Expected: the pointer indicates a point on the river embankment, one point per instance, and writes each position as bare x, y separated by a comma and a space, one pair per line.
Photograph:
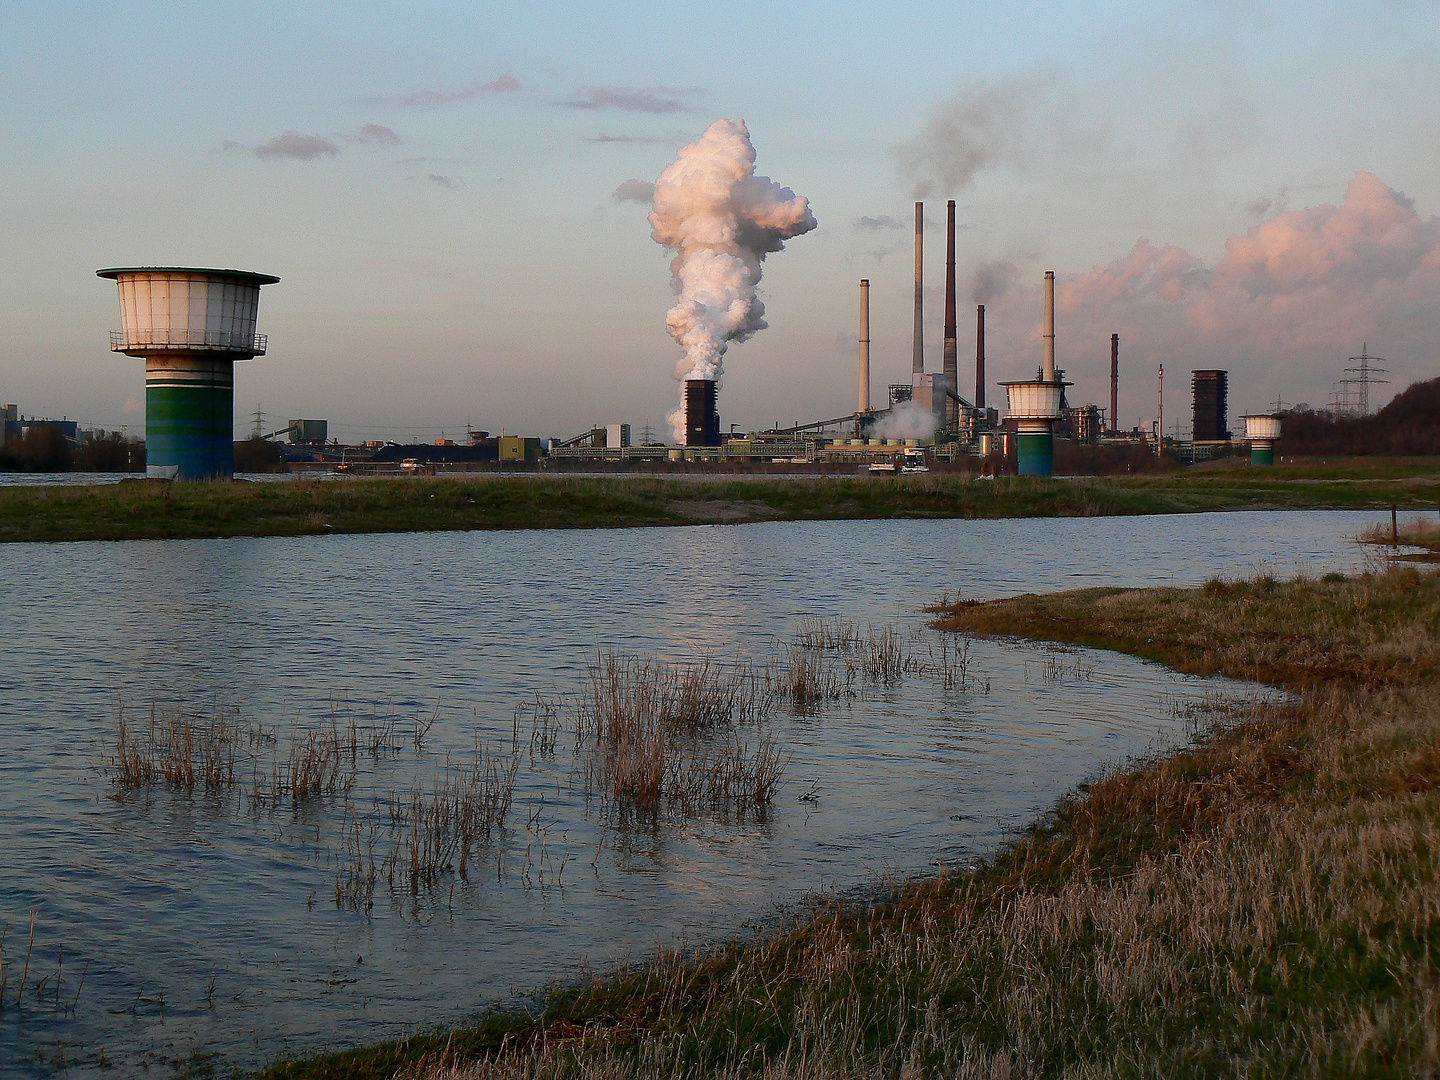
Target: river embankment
159, 510
1261, 903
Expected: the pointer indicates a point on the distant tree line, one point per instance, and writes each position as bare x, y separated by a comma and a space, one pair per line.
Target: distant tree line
1114, 459
258, 455
46, 449
1409, 425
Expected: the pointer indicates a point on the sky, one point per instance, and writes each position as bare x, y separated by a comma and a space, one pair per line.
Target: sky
445, 191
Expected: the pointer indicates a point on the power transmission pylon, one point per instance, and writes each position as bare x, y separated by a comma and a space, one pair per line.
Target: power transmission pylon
1358, 379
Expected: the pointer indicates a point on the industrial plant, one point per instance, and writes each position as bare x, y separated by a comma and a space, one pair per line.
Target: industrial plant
192, 326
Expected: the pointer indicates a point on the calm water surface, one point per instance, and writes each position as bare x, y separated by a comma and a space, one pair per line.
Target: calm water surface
203, 927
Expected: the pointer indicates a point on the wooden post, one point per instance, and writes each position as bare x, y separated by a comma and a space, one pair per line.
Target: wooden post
1394, 528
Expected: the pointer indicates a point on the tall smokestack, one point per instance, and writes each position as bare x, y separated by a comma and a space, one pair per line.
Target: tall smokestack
980, 356
950, 360
864, 345
917, 361
1115, 382
1160, 420
1049, 325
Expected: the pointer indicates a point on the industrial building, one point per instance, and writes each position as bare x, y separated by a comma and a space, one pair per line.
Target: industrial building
1210, 390
1036, 404
14, 426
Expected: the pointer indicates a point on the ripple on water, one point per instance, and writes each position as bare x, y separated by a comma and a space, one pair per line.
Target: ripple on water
161, 894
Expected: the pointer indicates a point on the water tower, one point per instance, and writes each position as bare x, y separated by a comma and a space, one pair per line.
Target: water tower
1037, 403
191, 326
1262, 430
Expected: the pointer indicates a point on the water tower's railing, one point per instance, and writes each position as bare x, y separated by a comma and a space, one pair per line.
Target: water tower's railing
168, 338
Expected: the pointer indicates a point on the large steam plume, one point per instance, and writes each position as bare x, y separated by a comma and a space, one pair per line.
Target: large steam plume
721, 220
905, 420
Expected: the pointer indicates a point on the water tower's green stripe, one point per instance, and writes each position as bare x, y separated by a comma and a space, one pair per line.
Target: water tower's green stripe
1262, 456
1035, 454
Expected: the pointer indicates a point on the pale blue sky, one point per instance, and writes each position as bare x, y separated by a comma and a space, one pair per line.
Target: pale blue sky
479, 269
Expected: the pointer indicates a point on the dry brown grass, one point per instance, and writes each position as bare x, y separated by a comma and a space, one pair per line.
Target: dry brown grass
658, 733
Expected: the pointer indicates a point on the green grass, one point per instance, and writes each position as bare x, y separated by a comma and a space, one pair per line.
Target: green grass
1261, 905
157, 510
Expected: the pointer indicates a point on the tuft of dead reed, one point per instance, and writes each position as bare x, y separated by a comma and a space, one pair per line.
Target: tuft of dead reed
431, 832
875, 657
182, 748
656, 732
176, 746
442, 826
805, 680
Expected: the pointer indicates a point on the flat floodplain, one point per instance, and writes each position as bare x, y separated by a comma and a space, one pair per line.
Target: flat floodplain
140, 510
216, 922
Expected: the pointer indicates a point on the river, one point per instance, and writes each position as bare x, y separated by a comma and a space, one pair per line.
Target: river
203, 925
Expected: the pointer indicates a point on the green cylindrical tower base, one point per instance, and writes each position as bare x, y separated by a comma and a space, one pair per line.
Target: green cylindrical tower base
1035, 453
1262, 453
190, 416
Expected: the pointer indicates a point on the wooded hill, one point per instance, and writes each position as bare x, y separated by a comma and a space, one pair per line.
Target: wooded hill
1409, 425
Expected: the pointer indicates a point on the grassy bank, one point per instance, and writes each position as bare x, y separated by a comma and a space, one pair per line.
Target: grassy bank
156, 510
1262, 905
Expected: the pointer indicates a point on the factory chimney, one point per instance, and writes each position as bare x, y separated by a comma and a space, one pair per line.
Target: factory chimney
1049, 326
980, 356
1115, 382
950, 360
864, 345
917, 362
1160, 420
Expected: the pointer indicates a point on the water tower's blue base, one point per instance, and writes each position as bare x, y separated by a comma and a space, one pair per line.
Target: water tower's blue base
1035, 454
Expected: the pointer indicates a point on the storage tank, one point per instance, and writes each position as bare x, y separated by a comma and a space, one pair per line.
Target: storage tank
190, 325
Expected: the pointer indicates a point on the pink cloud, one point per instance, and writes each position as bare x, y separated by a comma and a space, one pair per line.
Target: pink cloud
1147, 272
1290, 299
1373, 235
